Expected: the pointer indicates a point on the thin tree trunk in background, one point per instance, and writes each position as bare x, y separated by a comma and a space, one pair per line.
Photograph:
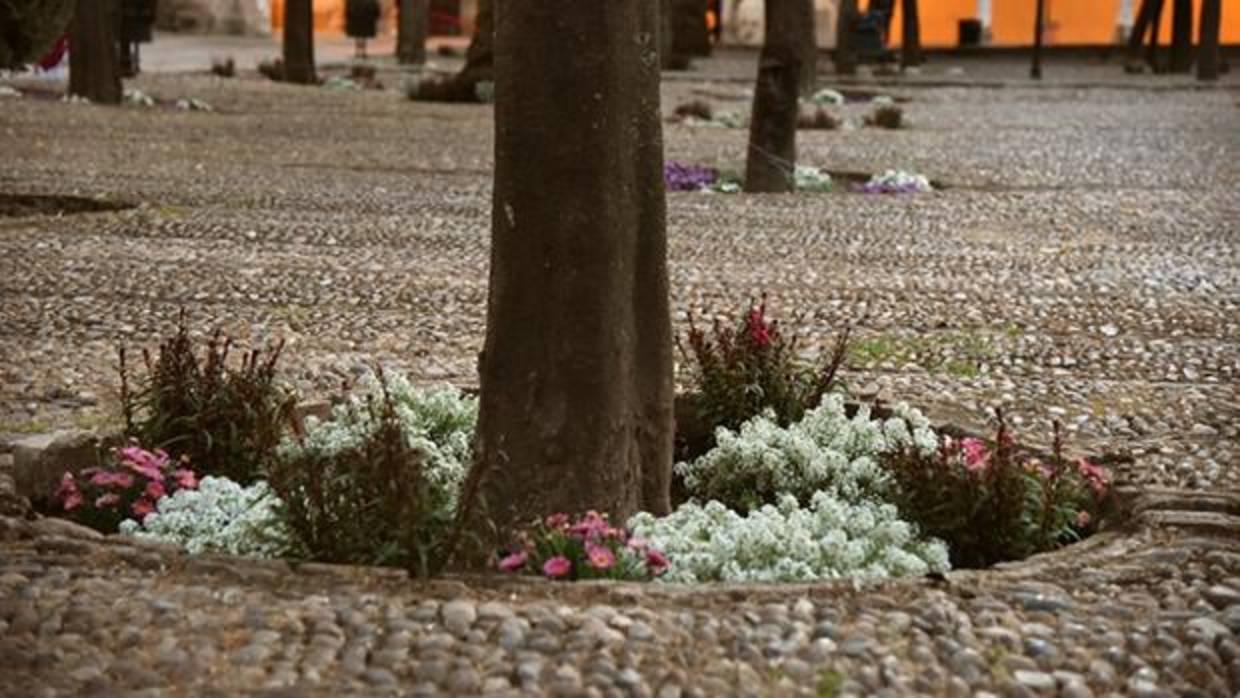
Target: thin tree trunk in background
1151, 49
690, 35
772, 155
1039, 23
845, 56
411, 31
480, 56
1136, 37
1207, 43
94, 61
910, 41
576, 370
1181, 37
808, 41
299, 42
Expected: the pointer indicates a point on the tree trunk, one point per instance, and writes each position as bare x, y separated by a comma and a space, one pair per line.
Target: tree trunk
94, 61
845, 55
910, 40
1151, 50
414, 18
1181, 36
480, 56
667, 35
1207, 43
1136, 38
299, 42
772, 155
690, 35
576, 369
808, 42
1039, 23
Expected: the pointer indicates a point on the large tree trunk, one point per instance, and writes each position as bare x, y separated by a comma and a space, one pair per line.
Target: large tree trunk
412, 30
94, 62
667, 34
772, 154
576, 370
299, 42
1207, 43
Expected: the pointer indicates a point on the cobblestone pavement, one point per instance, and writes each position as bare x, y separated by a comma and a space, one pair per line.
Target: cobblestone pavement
1081, 265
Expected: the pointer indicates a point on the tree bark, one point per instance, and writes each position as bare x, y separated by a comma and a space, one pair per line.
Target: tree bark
1151, 49
1039, 23
845, 55
667, 34
1136, 38
299, 42
910, 39
1181, 36
1207, 43
690, 35
411, 31
808, 41
479, 63
576, 369
772, 155
94, 61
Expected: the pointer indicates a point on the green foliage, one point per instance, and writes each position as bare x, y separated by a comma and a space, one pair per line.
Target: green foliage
226, 420
28, 28
830, 683
378, 483
751, 366
992, 503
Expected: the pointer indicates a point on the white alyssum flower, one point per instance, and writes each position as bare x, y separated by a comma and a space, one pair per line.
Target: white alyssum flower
901, 181
809, 178
138, 98
220, 516
830, 538
828, 96
826, 450
438, 423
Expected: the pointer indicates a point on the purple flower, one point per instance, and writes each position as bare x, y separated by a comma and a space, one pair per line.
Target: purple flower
679, 176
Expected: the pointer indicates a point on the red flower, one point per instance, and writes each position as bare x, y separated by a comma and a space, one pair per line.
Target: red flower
142, 507
759, 330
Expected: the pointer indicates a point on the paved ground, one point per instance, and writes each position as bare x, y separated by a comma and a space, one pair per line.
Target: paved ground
1082, 264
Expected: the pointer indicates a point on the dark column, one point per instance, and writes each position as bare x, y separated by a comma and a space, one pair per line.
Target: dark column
1207, 44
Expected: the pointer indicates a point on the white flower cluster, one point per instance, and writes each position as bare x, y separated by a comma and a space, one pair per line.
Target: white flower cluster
809, 178
438, 423
220, 516
900, 181
9, 92
193, 104
828, 96
138, 98
787, 543
826, 450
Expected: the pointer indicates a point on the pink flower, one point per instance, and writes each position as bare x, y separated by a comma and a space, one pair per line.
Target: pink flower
154, 491
107, 501
185, 479
556, 521
147, 464
600, 557
557, 567
68, 494
142, 507
657, 562
590, 527
1083, 518
759, 331
105, 478
1095, 476
976, 455
513, 562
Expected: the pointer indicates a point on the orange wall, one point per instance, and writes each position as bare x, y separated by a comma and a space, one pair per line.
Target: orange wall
1068, 21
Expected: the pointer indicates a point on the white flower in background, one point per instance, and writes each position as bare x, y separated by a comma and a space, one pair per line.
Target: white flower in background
7, 92
192, 104
220, 516
809, 178
897, 182
828, 96
138, 98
